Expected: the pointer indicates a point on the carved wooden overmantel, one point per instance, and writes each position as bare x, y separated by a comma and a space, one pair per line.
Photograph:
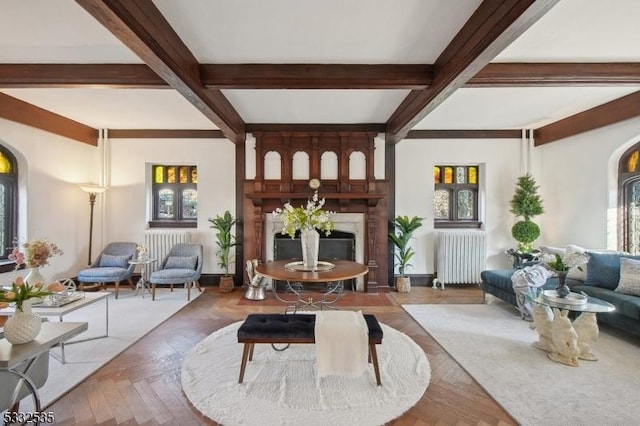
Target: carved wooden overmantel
342, 194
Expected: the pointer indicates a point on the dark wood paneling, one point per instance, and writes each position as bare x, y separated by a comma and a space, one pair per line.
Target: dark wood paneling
23, 112
492, 27
164, 134
594, 118
367, 196
464, 134
143, 29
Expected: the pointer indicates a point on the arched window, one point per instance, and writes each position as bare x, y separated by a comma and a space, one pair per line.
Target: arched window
175, 196
629, 190
8, 201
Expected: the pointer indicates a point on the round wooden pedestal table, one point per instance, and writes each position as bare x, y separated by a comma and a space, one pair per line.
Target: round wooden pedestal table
332, 273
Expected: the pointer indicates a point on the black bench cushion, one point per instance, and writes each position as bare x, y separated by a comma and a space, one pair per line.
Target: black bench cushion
283, 327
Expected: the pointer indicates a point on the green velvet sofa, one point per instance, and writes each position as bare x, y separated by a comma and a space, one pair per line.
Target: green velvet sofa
600, 279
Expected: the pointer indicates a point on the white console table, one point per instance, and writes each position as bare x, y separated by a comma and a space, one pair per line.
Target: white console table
12, 356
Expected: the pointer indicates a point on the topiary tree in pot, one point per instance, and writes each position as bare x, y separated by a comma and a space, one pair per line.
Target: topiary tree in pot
526, 203
225, 242
404, 227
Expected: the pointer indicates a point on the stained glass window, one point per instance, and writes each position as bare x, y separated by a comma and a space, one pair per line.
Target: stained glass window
165, 204
473, 175
441, 204
634, 219
171, 174
158, 174
190, 204
175, 198
455, 196
632, 162
448, 175
465, 204
8, 201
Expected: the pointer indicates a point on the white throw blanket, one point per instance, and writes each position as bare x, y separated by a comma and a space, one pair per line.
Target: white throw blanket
342, 343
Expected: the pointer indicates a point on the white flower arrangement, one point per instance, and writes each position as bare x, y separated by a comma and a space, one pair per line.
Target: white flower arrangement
310, 217
558, 263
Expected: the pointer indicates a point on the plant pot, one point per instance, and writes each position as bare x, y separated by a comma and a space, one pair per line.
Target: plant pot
226, 283
403, 284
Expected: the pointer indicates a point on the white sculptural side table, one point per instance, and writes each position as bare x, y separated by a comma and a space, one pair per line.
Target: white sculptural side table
566, 341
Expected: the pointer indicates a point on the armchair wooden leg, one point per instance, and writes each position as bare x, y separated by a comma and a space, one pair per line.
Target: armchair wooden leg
153, 291
117, 287
131, 284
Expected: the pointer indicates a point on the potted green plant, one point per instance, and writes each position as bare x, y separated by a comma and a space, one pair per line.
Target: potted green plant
526, 203
225, 242
404, 227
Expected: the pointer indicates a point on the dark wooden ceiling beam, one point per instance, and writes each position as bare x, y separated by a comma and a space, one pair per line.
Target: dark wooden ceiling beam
115, 76
318, 76
493, 26
143, 29
557, 74
25, 113
603, 115
465, 134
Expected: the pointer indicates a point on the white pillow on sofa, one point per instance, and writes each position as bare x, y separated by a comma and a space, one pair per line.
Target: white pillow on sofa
629, 277
575, 273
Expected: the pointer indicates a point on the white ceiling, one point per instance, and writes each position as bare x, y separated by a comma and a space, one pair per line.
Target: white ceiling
319, 31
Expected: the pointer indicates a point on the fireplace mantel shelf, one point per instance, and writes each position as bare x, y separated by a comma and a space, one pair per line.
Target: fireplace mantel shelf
256, 197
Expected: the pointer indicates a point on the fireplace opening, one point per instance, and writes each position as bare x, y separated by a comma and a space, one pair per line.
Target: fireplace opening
338, 245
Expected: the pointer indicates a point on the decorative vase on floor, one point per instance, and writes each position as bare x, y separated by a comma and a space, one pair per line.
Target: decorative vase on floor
562, 290
23, 326
34, 276
310, 240
403, 284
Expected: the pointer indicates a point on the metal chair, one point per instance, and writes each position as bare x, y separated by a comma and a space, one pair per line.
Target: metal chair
112, 265
183, 265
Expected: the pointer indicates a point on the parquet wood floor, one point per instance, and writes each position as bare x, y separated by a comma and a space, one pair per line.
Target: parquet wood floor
142, 385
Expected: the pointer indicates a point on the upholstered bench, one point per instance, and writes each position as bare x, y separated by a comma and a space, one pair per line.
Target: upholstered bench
294, 328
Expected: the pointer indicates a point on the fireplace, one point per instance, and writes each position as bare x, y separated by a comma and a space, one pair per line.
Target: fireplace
346, 241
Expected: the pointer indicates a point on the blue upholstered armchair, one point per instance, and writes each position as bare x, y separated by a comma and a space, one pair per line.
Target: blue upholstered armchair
111, 266
183, 265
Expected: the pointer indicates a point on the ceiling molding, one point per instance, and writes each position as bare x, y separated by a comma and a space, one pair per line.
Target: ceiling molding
24, 113
465, 134
164, 134
492, 27
612, 112
143, 29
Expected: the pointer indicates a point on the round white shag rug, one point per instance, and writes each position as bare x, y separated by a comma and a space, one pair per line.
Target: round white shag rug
283, 388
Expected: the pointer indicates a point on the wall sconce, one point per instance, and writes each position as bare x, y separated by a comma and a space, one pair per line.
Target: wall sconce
93, 190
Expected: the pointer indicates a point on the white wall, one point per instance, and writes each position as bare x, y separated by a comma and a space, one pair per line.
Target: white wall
500, 167
52, 206
127, 211
579, 185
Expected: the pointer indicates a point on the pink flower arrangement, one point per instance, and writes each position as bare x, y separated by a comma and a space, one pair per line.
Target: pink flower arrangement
21, 291
36, 253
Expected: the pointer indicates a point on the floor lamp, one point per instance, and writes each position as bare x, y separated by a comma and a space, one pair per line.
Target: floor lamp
93, 190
